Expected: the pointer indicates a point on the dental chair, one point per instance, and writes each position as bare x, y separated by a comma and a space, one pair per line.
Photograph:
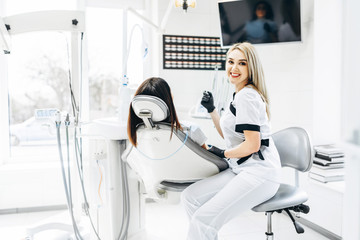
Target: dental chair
167, 165
295, 150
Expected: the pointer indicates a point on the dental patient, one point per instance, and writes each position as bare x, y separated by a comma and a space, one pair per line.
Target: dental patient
158, 87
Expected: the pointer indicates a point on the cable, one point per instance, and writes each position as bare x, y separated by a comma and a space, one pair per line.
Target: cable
124, 165
80, 98
67, 123
76, 113
128, 48
170, 155
76, 230
82, 184
100, 183
126, 201
124, 215
124, 211
75, 108
143, 42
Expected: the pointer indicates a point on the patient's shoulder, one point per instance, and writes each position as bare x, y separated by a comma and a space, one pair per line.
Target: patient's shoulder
194, 131
189, 125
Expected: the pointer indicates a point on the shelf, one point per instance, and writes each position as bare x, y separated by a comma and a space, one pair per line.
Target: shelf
335, 186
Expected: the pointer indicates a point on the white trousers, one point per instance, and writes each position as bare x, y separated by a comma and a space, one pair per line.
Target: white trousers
212, 202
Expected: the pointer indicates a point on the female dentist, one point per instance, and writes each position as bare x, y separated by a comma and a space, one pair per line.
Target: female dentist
254, 173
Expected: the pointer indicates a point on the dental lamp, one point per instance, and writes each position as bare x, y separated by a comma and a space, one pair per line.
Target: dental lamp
5, 43
185, 4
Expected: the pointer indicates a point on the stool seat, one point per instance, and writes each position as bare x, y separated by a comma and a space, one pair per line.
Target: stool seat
286, 196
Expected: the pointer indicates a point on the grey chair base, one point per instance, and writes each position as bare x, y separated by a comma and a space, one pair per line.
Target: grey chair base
298, 208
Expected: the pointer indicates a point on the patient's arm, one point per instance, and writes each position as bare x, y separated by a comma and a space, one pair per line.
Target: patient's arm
195, 133
204, 146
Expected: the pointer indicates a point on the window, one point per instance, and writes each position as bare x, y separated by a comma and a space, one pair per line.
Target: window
38, 78
105, 42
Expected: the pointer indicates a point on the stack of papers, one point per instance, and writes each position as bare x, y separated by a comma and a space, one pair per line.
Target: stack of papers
328, 164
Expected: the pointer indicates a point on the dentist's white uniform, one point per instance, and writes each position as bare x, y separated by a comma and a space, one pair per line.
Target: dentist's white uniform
212, 202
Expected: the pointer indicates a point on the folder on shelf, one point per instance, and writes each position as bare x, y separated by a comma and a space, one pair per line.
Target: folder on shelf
329, 166
328, 172
330, 157
328, 149
324, 162
326, 179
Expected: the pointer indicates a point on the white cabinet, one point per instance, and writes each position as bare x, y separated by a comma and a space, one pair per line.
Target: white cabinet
326, 204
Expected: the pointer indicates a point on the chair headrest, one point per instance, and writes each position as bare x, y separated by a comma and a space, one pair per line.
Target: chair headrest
155, 106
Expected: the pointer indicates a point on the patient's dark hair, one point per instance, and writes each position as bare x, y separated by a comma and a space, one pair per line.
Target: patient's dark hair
157, 87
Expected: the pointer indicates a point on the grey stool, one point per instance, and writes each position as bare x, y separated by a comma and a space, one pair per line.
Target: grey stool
295, 150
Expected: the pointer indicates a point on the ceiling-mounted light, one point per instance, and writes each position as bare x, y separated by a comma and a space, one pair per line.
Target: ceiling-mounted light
185, 4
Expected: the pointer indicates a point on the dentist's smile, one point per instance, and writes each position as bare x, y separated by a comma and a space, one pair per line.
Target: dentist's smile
237, 69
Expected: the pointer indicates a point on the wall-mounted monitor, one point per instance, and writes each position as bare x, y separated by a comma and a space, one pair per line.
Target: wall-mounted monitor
259, 22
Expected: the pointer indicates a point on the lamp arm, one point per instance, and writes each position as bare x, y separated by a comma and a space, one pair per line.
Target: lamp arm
164, 20
145, 19
131, 35
166, 15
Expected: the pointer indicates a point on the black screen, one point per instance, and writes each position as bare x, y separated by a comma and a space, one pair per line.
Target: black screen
259, 22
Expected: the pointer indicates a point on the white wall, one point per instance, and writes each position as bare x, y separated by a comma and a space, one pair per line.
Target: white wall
351, 122
328, 28
31, 185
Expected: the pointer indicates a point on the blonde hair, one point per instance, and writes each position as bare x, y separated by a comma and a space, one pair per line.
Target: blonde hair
256, 72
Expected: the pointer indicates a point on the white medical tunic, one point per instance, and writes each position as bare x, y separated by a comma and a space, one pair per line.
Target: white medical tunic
248, 112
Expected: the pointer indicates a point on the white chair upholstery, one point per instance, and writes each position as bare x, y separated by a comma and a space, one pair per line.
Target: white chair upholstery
295, 150
167, 166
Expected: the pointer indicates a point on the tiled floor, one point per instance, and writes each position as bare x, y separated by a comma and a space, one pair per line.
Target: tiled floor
163, 222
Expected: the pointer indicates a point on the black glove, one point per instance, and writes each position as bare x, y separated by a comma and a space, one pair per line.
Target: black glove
267, 27
208, 101
217, 151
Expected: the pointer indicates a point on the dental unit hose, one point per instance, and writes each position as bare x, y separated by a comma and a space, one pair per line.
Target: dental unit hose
86, 207
68, 197
77, 115
126, 201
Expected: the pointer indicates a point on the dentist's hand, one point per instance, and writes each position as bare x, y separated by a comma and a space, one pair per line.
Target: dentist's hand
217, 151
208, 101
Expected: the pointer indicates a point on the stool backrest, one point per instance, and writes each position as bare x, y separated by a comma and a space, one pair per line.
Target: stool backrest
294, 147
